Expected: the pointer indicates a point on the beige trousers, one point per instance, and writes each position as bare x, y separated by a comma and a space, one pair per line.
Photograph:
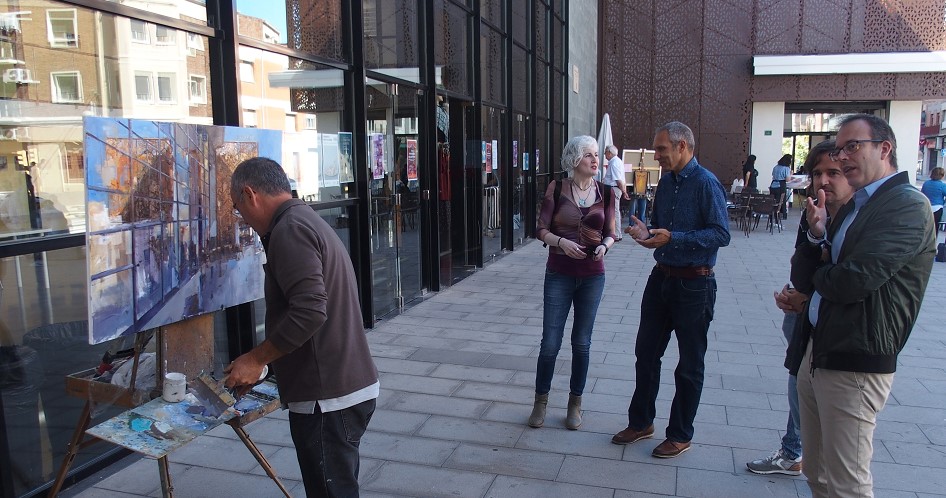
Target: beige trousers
618, 227
838, 415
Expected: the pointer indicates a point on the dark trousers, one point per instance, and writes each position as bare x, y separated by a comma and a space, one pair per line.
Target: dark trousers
683, 306
327, 448
781, 193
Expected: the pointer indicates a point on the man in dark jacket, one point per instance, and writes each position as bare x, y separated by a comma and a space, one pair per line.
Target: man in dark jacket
866, 273
826, 176
315, 337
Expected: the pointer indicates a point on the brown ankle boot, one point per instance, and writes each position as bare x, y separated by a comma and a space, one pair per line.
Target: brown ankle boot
537, 419
573, 417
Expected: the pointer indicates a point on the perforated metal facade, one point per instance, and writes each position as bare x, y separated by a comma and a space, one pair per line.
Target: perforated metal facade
692, 61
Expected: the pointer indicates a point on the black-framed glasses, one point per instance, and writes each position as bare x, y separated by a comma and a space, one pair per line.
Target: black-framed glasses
851, 147
236, 210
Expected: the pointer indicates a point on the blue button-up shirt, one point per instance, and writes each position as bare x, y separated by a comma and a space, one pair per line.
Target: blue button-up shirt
691, 205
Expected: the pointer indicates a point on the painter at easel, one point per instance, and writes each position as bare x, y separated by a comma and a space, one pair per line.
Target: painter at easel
315, 338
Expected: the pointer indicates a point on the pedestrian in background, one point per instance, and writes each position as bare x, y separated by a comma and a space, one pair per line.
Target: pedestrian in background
578, 229
780, 174
614, 178
826, 176
688, 225
750, 175
935, 190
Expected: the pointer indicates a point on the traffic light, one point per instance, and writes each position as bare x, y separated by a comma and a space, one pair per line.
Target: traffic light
22, 159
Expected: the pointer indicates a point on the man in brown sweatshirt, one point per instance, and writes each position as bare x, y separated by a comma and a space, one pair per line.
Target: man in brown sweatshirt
315, 337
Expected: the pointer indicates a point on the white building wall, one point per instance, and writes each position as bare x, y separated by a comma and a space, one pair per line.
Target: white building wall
766, 117
583, 55
905, 119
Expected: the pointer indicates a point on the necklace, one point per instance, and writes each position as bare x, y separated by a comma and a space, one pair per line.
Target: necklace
583, 201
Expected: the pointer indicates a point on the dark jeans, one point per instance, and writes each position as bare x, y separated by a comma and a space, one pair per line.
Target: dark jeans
683, 306
327, 448
639, 209
561, 291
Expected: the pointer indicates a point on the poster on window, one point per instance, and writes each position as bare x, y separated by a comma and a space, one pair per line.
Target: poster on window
330, 164
412, 159
489, 157
496, 155
346, 174
483, 155
376, 146
525, 161
538, 167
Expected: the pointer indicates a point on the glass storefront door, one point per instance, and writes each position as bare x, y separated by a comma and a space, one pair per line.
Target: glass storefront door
458, 185
493, 159
520, 175
395, 172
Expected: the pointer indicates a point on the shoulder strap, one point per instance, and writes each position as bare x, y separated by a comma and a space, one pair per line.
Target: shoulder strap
607, 197
557, 194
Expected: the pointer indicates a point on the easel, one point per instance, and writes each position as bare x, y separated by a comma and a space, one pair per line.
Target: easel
186, 347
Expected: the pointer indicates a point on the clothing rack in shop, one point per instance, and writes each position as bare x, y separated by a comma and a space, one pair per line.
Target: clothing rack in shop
491, 207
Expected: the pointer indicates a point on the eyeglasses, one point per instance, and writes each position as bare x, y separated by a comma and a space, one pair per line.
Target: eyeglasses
236, 210
850, 148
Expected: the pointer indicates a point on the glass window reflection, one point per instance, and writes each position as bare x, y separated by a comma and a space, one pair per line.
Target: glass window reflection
391, 40
305, 101
58, 69
312, 26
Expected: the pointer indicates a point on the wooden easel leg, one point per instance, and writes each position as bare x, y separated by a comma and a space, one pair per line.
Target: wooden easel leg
73, 449
167, 489
260, 458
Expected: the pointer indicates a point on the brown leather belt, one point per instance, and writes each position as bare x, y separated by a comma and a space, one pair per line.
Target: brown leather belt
685, 272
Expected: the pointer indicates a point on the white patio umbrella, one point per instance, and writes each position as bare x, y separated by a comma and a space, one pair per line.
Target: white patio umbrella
604, 139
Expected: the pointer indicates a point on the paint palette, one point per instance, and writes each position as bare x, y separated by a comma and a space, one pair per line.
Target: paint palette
262, 399
157, 428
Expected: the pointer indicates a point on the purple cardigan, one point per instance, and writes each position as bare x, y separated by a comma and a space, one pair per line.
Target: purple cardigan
564, 222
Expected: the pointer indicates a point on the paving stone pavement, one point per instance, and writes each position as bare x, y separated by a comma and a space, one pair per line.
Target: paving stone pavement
457, 374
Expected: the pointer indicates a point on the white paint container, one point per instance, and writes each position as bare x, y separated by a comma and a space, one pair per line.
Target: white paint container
175, 387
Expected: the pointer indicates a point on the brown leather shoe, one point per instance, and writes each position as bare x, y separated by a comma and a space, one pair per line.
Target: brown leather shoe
670, 449
628, 436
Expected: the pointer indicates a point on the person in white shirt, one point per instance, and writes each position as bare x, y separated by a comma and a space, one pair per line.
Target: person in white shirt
614, 176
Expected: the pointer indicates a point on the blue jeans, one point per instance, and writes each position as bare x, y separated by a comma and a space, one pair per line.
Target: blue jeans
639, 209
685, 307
561, 292
791, 441
327, 448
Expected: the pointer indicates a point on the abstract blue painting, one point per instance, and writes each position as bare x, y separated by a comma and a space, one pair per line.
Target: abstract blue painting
163, 241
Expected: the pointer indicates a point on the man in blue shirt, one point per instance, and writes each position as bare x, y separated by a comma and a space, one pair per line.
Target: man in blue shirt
687, 227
